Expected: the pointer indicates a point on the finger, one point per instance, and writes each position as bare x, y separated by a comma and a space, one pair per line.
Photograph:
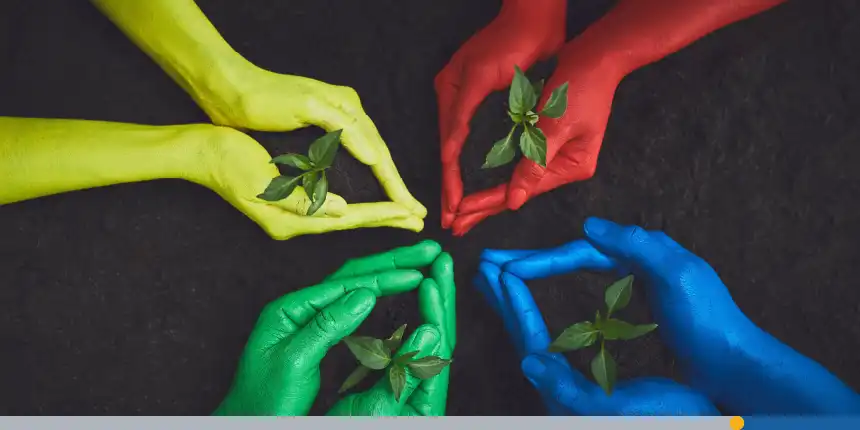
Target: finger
483, 200
448, 216
560, 384
388, 176
298, 308
330, 325
425, 340
417, 256
571, 257
500, 257
442, 271
464, 223
298, 203
357, 215
477, 84
487, 282
628, 244
447, 86
535, 335
575, 160
411, 223
430, 398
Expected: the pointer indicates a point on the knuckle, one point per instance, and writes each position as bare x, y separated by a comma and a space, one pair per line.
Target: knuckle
325, 322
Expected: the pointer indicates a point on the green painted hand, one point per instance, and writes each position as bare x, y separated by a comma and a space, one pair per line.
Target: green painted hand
436, 297
279, 372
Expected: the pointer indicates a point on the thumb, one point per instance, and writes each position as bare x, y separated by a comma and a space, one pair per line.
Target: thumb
331, 325
629, 244
558, 384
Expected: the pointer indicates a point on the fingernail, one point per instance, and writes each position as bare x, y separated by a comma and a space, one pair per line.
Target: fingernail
517, 198
358, 302
596, 226
532, 367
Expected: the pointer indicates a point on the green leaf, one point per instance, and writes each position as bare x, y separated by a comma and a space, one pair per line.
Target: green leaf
323, 150
577, 336
427, 367
604, 370
503, 152
538, 87
614, 329
532, 118
522, 97
397, 378
393, 342
369, 351
318, 194
557, 103
618, 295
516, 117
309, 182
298, 161
533, 145
405, 358
280, 188
354, 378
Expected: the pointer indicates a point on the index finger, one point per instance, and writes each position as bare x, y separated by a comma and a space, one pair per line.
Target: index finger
571, 257
407, 257
299, 307
535, 336
389, 178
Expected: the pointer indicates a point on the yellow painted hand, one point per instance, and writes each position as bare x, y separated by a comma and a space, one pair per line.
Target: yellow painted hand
236, 93
238, 169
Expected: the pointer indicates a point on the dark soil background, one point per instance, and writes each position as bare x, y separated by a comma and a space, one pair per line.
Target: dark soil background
137, 299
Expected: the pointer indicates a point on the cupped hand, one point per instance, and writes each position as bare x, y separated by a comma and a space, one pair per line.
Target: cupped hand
519, 36
573, 141
437, 306
698, 318
268, 101
236, 167
279, 372
564, 390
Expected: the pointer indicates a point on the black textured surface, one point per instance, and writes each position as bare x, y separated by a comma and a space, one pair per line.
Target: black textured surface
137, 299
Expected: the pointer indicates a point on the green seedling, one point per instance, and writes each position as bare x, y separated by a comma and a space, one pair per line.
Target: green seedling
522, 99
603, 328
379, 354
313, 179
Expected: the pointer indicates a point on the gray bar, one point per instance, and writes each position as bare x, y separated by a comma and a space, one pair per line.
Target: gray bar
363, 423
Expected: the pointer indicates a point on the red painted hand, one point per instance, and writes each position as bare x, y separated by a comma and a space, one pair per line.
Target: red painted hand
573, 141
524, 32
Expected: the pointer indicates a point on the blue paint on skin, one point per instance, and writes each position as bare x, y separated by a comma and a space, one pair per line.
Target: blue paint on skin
728, 360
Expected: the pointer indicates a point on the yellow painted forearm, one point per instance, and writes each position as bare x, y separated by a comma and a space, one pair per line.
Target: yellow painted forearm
179, 37
40, 157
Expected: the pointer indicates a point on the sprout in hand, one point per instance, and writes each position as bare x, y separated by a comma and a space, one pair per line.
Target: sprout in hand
521, 100
378, 354
320, 157
587, 333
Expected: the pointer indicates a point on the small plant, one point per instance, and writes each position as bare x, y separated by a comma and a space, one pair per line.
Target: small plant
376, 354
522, 99
587, 333
320, 157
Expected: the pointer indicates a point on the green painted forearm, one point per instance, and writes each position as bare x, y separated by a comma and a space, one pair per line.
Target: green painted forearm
179, 37
40, 157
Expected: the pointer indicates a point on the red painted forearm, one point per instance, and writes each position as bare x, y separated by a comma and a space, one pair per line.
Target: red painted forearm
538, 9
638, 32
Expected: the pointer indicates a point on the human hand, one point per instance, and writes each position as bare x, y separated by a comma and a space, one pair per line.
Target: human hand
279, 372
698, 319
236, 167
523, 33
573, 140
564, 390
436, 301
266, 101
